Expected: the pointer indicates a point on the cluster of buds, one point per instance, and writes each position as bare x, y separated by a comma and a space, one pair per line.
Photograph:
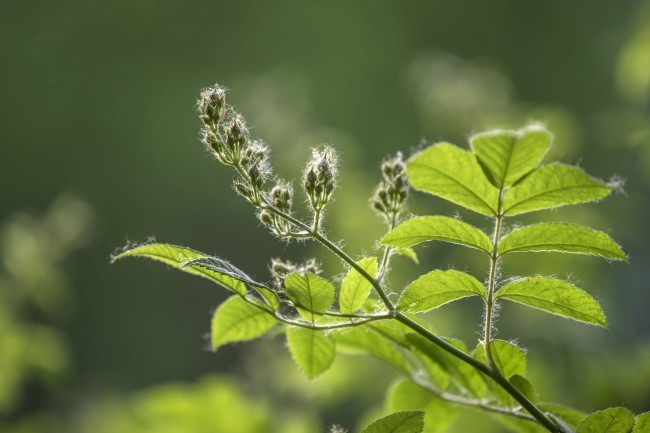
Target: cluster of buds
392, 192
318, 178
280, 269
281, 198
225, 133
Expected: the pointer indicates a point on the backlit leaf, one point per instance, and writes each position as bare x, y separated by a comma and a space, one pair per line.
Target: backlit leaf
509, 359
612, 420
310, 293
437, 288
437, 228
464, 375
506, 155
400, 422
564, 238
556, 297
454, 174
368, 340
178, 257
312, 350
642, 423
355, 288
407, 395
238, 320
568, 415
552, 186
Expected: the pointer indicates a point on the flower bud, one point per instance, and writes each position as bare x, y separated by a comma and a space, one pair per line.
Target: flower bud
282, 196
265, 217
319, 177
212, 105
236, 133
392, 192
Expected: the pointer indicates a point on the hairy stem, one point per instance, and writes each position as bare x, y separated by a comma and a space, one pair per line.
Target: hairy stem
489, 302
385, 260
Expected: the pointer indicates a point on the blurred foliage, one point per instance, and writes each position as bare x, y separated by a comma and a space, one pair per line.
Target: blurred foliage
97, 99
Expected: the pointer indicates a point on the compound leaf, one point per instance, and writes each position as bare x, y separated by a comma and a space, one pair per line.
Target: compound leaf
612, 420
438, 287
311, 294
556, 297
312, 350
437, 228
563, 238
400, 422
355, 288
238, 320
506, 155
178, 257
454, 174
552, 186
642, 423
510, 359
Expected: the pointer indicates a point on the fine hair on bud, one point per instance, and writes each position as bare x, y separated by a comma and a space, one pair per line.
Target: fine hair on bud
319, 177
212, 105
391, 193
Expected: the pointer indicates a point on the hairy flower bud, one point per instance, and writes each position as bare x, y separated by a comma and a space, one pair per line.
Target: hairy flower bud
236, 133
212, 105
319, 177
392, 192
282, 196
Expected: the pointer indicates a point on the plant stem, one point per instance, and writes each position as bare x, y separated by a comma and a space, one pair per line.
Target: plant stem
489, 302
401, 317
387, 250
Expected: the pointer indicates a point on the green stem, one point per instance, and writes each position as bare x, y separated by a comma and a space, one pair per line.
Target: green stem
489, 302
401, 317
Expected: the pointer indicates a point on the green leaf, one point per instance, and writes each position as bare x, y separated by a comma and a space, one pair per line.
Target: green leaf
369, 340
552, 186
525, 387
409, 253
612, 420
238, 320
437, 228
454, 174
464, 375
311, 294
556, 297
407, 395
506, 156
568, 415
563, 238
642, 423
355, 288
312, 350
400, 422
177, 257
509, 359
437, 288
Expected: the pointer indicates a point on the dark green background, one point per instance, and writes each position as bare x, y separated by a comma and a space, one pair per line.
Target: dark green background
97, 99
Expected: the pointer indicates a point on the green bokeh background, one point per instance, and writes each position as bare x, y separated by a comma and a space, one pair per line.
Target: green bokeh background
97, 100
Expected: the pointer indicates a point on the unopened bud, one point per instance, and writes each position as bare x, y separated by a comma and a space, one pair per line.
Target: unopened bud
319, 177
265, 217
236, 133
212, 105
282, 196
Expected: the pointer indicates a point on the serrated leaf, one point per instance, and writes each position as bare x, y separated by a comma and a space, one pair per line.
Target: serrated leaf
556, 297
438, 288
560, 237
552, 186
454, 174
464, 375
369, 340
642, 423
237, 320
437, 228
355, 288
612, 420
312, 350
507, 155
400, 422
509, 359
178, 257
407, 395
311, 294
